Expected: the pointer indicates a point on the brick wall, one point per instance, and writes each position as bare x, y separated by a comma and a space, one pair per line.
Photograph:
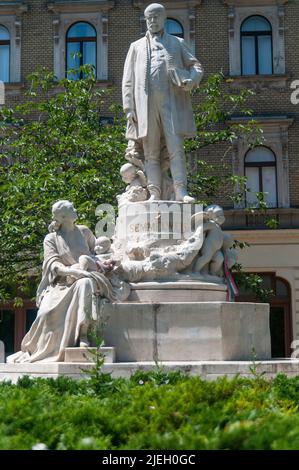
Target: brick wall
37, 38
212, 49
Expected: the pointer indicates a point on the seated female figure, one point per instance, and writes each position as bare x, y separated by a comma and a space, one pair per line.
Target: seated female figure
68, 297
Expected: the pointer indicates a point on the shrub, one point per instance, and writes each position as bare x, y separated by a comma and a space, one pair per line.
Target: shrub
155, 410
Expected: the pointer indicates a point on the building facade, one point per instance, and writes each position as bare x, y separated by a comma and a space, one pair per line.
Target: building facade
253, 42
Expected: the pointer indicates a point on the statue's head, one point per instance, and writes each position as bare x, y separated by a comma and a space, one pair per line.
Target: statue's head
64, 210
155, 16
103, 245
216, 213
128, 172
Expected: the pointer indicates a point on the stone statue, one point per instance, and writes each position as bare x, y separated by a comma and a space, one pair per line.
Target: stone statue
206, 255
136, 190
74, 280
102, 246
159, 73
164, 264
213, 218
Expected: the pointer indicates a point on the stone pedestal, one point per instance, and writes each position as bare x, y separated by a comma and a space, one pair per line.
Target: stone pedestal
88, 354
177, 291
153, 225
187, 331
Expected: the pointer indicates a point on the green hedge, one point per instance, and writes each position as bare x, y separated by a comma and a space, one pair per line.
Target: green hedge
155, 410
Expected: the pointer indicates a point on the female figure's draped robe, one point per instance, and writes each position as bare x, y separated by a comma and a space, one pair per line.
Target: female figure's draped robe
65, 304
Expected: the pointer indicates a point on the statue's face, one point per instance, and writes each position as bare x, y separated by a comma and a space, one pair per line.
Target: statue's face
129, 175
219, 217
103, 245
66, 212
155, 20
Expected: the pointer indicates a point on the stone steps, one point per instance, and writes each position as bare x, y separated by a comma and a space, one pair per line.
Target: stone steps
209, 370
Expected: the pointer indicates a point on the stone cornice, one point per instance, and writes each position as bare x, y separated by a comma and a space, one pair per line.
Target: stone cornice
169, 3
19, 86
267, 237
254, 3
259, 82
271, 121
13, 8
80, 6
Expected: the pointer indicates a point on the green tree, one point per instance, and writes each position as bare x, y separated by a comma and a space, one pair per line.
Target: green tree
217, 105
54, 146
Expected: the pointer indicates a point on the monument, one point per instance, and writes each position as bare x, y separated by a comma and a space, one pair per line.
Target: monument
162, 286
174, 255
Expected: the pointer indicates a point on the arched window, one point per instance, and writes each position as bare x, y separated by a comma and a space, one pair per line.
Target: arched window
4, 54
280, 312
260, 170
256, 46
174, 28
80, 48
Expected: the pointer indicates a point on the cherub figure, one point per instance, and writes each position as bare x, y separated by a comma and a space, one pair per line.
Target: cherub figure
134, 153
131, 175
136, 190
101, 261
226, 254
102, 246
213, 218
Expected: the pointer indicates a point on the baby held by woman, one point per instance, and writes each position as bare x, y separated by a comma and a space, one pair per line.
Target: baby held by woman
101, 262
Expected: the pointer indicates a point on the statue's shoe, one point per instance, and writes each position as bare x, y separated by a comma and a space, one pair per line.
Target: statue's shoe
154, 197
182, 195
189, 199
84, 343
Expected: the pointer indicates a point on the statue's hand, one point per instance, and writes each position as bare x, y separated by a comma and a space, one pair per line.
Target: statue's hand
107, 265
77, 273
131, 116
188, 85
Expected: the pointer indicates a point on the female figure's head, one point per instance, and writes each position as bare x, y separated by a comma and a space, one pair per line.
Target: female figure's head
63, 213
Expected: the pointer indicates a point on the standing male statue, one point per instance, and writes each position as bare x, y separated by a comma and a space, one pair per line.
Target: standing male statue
159, 74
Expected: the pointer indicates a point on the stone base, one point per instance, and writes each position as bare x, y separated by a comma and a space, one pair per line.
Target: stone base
156, 224
87, 354
189, 331
177, 291
208, 370
2, 353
